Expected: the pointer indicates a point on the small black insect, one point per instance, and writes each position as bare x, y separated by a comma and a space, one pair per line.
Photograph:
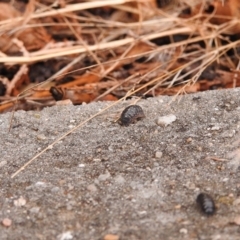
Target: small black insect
196, 98
3, 89
206, 203
131, 114
57, 93
164, 3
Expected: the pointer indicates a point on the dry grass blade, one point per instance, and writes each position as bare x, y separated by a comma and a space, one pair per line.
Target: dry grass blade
217, 159
69, 8
33, 57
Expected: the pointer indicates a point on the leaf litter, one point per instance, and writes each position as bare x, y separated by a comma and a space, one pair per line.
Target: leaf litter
88, 51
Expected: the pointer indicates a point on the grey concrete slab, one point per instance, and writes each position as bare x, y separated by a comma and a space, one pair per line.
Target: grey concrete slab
137, 182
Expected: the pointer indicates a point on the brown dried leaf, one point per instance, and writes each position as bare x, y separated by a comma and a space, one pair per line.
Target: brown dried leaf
33, 38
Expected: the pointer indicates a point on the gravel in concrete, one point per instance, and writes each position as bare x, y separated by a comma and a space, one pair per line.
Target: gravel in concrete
135, 183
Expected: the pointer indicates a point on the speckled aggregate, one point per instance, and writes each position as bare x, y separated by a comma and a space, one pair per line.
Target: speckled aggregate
106, 179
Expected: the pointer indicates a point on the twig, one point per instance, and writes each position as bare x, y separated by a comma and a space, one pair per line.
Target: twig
216, 159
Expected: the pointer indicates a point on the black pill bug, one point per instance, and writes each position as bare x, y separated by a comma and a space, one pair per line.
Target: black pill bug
57, 93
164, 3
131, 114
206, 203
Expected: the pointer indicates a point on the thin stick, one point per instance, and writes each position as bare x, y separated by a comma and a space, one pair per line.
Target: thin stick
217, 159
54, 53
116, 86
22, 71
69, 8
84, 44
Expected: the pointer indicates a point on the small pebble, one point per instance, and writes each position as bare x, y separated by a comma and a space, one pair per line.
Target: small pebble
19, 202
199, 148
97, 160
158, 154
22, 135
155, 164
2, 163
41, 137
237, 220
119, 179
190, 185
99, 150
111, 237
110, 148
166, 120
178, 206
6, 222
92, 188
183, 230
65, 236
55, 189
40, 184
64, 102
34, 210
216, 237
236, 202
104, 177
215, 128
142, 213
70, 187
225, 179
37, 115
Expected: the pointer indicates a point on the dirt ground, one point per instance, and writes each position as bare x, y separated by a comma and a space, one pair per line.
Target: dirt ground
136, 182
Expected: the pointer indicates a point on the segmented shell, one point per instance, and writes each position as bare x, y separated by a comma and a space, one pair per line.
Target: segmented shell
206, 203
57, 93
165, 3
130, 115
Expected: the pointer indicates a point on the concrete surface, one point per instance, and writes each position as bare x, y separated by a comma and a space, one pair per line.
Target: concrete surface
136, 182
